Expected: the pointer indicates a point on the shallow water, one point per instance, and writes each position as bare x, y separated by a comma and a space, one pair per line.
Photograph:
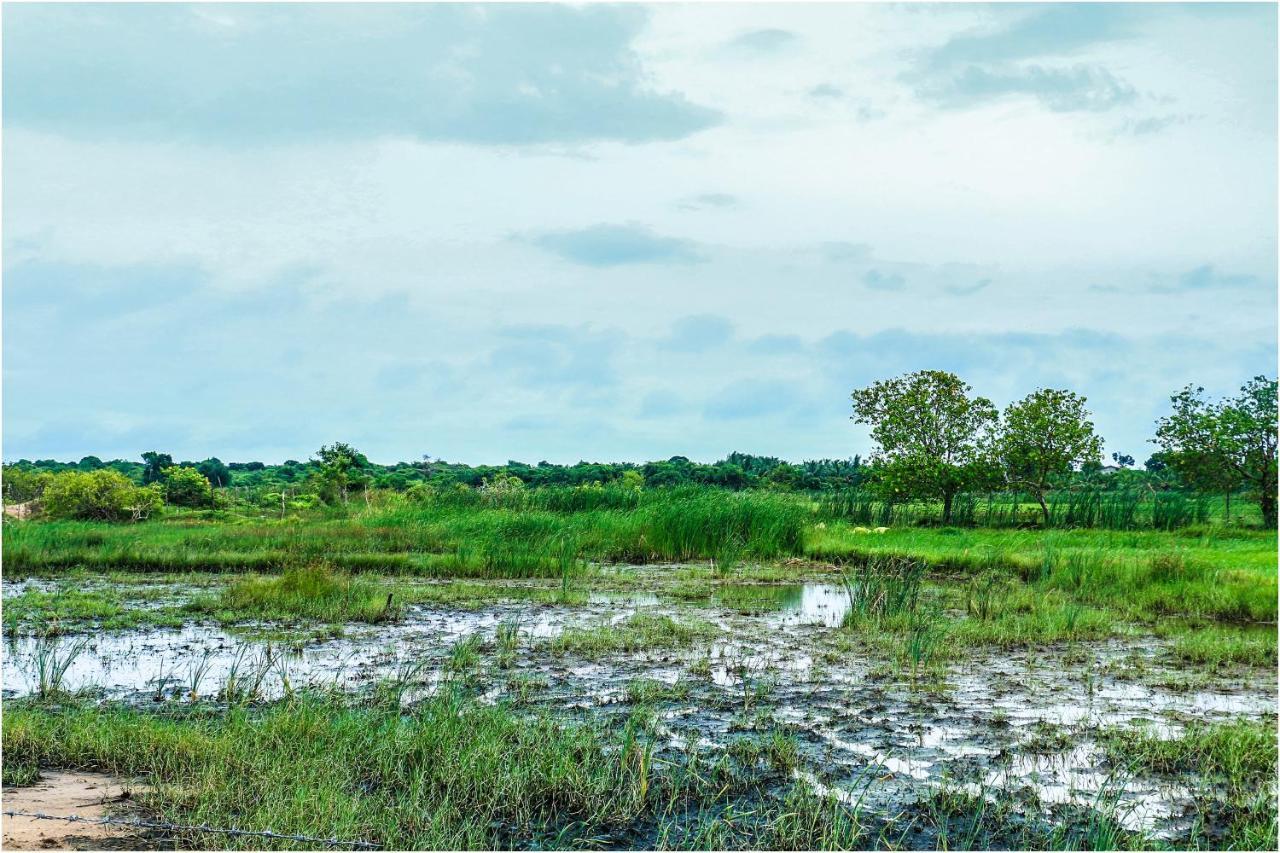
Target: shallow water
863, 734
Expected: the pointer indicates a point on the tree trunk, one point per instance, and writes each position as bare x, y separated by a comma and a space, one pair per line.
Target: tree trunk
1268, 501
1044, 507
1227, 520
947, 498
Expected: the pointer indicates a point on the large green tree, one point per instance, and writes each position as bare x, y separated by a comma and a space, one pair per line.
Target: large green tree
341, 468
217, 473
1237, 434
932, 436
154, 465
1042, 436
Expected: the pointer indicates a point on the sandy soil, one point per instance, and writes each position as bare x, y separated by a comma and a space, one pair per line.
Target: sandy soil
22, 510
84, 794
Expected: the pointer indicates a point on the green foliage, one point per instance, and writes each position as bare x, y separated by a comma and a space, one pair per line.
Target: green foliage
186, 487
1224, 443
503, 490
1042, 436
154, 465
102, 495
931, 435
217, 473
23, 484
631, 481
341, 468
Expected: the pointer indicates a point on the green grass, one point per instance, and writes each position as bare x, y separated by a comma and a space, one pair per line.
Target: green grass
18, 774
960, 819
316, 593
1216, 647
640, 632
923, 627
650, 691
451, 774
1139, 575
430, 539
103, 608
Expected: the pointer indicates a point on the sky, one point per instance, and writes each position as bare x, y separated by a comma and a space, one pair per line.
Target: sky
539, 232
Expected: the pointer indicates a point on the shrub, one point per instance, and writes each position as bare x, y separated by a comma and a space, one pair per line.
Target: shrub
103, 495
23, 484
186, 487
503, 490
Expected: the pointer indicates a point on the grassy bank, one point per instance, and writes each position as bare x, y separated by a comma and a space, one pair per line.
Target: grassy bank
451, 774
432, 539
1145, 576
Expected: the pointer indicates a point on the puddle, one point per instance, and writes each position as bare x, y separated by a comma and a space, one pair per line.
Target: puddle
12, 589
787, 604
132, 663
816, 604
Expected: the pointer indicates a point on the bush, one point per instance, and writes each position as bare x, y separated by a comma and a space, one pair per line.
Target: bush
103, 495
503, 490
23, 484
186, 487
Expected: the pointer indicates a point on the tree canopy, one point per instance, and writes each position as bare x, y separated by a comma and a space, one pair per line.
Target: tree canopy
931, 435
1044, 435
1233, 437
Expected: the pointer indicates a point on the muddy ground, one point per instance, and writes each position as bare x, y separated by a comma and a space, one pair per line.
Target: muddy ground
1022, 722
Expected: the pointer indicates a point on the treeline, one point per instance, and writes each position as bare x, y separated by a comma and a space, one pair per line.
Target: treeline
735, 471
935, 443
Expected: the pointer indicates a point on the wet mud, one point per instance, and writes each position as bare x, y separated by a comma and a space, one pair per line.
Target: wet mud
1022, 724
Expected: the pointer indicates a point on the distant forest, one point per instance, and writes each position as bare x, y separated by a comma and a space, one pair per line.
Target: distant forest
735, 471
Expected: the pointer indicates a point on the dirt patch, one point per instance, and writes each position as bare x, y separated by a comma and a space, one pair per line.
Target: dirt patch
63, 793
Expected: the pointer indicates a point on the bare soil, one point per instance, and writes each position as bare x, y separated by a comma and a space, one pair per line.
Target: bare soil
68, 793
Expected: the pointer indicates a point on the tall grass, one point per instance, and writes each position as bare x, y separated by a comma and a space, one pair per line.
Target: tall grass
697, 522
1068, 508
449, 536
49, 663
883, 588
449, 773
315, 592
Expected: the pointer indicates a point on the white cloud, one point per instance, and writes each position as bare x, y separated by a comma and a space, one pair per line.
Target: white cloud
378, 276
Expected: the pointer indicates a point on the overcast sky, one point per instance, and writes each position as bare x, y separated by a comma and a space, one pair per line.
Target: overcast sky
620, 233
